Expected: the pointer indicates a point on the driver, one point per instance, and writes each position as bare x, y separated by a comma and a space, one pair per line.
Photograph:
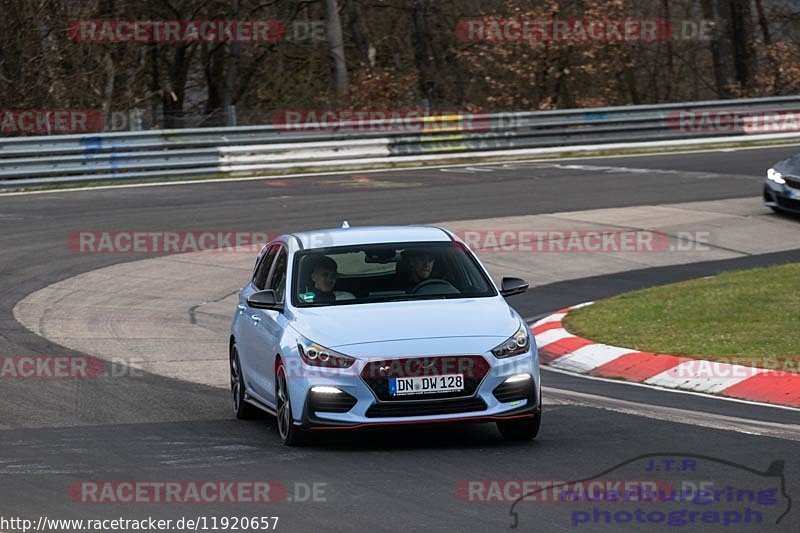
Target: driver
419, 268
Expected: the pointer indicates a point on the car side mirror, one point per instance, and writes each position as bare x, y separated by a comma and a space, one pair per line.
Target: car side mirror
512, 286
264, 300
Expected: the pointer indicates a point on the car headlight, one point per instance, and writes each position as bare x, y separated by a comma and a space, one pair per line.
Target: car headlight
774, 175
517, 344
314, 354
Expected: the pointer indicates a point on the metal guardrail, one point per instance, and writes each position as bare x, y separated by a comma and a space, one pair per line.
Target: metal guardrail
203, 152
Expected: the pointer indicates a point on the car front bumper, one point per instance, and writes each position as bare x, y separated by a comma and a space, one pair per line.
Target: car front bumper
517, 401
781, 196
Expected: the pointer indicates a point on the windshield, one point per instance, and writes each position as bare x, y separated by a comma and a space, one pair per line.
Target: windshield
387, 272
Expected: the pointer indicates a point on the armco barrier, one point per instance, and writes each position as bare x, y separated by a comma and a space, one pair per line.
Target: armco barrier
197, 153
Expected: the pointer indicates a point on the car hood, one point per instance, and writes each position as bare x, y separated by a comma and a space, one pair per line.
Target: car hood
789, 166
344, 325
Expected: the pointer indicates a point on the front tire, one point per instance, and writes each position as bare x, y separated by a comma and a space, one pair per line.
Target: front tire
290, 434
241, 408
517, 430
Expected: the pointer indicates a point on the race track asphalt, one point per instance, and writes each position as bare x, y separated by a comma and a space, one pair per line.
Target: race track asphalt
56, 433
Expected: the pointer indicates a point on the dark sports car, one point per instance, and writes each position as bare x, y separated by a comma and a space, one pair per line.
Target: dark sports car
782, 186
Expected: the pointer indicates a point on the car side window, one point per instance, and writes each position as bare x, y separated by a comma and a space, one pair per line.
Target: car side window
264, 266
277, 279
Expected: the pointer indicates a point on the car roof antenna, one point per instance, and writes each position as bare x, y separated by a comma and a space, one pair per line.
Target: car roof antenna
345, 225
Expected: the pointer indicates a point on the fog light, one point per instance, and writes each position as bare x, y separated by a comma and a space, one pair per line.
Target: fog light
517, 378
323, 389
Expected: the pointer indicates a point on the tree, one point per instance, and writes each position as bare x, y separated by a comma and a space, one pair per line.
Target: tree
336, 48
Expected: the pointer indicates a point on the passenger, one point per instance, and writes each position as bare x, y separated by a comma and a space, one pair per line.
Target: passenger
323, 283
415, 267
323, 280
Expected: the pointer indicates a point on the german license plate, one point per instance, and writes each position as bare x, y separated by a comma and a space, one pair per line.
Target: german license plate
426, 384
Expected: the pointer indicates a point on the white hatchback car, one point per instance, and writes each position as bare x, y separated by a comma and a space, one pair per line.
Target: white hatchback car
354, 327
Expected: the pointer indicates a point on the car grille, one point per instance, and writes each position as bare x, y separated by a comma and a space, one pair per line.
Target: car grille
376, 373
425, 408
331, 403
792, 182
512, 392
787, 203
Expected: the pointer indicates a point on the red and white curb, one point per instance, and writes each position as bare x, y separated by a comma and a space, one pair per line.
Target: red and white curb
561, 349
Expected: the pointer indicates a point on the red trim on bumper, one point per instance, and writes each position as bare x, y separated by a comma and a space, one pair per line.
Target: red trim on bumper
488, 418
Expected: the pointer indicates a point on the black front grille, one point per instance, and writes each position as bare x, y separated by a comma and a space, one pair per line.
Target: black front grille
376, 374
331, 403
794, 183
425, 408
787, 203
514, 391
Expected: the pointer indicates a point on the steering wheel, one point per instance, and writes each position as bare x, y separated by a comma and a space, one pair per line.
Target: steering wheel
435, 286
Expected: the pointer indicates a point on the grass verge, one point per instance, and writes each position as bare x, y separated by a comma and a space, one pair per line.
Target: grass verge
749, 317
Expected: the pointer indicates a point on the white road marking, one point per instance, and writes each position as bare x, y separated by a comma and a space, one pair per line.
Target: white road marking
590, 357
555, 317
679, 416
673, 391
552, 335
709, 377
